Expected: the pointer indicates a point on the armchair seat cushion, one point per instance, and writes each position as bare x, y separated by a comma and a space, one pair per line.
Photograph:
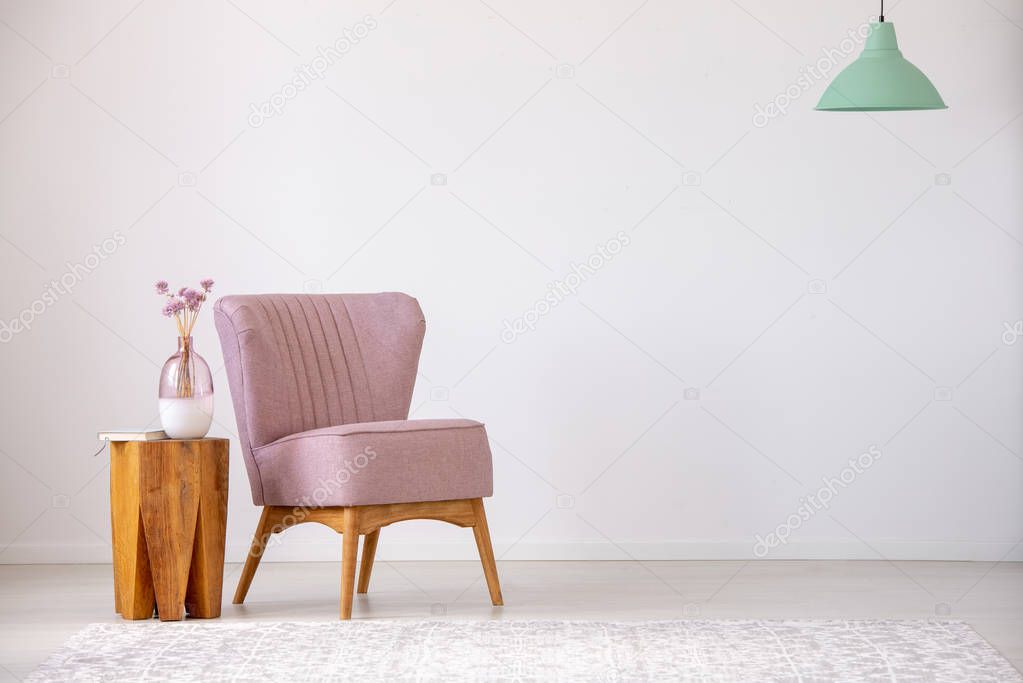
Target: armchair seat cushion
369, 463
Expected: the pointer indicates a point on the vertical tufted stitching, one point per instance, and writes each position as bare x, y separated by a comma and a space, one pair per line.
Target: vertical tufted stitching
362, 366
353, 401
291, 395
329, 379
333, 349
307, 349
353, 363
303, 416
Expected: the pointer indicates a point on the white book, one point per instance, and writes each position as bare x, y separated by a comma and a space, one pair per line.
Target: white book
132, 435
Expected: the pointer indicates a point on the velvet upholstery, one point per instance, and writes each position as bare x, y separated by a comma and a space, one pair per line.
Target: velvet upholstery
366, 463
321, 386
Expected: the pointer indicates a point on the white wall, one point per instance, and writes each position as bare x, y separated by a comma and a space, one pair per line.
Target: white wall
792, 293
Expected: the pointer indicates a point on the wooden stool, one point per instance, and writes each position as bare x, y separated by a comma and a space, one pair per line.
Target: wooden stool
168, 511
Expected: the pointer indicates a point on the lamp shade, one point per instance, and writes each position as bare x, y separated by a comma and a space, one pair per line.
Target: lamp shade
880, 79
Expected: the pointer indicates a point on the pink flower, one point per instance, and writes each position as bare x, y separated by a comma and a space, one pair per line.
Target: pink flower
184, 304
192, 298
173, 306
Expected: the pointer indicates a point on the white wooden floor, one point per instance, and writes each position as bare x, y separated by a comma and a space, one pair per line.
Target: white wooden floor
41, 605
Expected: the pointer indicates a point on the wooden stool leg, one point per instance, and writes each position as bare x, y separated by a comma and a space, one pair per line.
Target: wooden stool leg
259, 540
369, 551
349, 551
170, 508
482, 533
136, 598
206, 575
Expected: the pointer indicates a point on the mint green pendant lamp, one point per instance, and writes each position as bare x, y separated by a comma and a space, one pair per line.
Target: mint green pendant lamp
880, 79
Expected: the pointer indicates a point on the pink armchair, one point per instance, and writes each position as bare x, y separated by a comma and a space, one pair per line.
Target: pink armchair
321, 386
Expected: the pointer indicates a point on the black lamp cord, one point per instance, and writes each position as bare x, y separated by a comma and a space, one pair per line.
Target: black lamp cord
882, 11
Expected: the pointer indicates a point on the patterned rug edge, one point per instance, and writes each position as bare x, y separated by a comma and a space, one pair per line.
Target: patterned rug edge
1001, 667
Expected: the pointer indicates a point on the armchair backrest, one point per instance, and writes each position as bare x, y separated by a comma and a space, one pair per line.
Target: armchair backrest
297, 362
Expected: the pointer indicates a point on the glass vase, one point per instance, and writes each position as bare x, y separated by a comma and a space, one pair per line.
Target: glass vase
186, 393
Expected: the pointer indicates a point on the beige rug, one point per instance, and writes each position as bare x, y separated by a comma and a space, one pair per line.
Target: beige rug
742, 650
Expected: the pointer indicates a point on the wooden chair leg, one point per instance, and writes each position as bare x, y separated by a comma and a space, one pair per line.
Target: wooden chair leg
369, 551
259, 540
349, 552
482, 533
